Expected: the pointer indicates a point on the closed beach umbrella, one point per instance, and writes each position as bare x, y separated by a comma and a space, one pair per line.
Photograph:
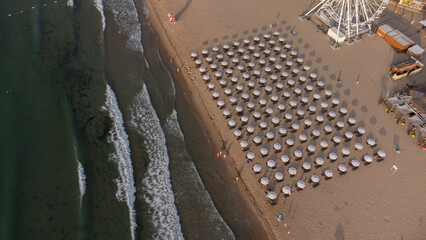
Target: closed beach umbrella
358, 146
343, 110
368, 158
371, 142
332, 156
332, 114
324, 105
328, 128
233, 100
257, 115
270, 135
289, 142
300, 184
328, 173
264, 181
286, 94
257, 168
270, 163
337, 139
327, 93
313, 75
286, 190
381, 153
282, 131
293, 103
355, 163
303, 137
263, 125
288, 116
291, 82
292, 171
279, 176
243, 144
308, 122
311, 148
285, 159
281, 107
312, 108
319, 161
349, 135
340, 124
346, 151
315, 132
319, 118
298, 153
304, 99
335, 101
342, 168
232, 123
250, 105
272, 195
277, 146
351, 120
250, 155
237, 133
210, 86
275, 120
306, 67
315, 178
317, 96
360, 130
300, 112
306, 166
324, 144
226, 112
295, 126
250, 129
257, 140
264, 151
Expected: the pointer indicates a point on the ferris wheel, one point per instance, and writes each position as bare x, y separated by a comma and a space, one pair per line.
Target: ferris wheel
352, 18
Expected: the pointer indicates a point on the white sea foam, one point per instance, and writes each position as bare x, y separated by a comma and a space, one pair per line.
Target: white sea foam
157, 189
118, 136
205, 203
81, 180
70, 3
99, 5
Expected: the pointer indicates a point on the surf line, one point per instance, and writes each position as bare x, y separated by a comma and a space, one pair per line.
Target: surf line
70, 3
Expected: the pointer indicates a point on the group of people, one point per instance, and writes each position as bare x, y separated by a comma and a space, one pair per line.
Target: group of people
172, 18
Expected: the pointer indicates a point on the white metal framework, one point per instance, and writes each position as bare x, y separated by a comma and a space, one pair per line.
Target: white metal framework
351, 17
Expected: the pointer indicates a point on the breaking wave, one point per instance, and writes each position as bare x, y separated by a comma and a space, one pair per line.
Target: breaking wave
99, 5
70, 3
81, 180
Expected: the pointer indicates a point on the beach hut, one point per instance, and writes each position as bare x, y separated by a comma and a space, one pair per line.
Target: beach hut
275, 121
337, 139
295, 126
292, 171
312, 109
316, 133
298, 154
233, 100
328, 128
210, 86
263, 125
317, 96
281, 107
355, 163
315, 178
360, 130
346, 151
319, 161
264, 151
349, 135
264, 181
286, 94
303, 137
277, 146
300, 184
226, 113
381, 153
358, 146
351, 120
257, 140
306, 166
250, 155
319, 118
308, 122
311, 148
257, 115
215, 95
342, 168
371, 142
279, 176
340, 124
324, 144
270, 163
289, 142
282, 131
328, 173
285, 158
286, 190
269, 135
250, 129
332, 156
368, 158
257, 168
272, 195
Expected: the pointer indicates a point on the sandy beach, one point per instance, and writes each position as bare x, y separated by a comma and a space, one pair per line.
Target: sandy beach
373, 201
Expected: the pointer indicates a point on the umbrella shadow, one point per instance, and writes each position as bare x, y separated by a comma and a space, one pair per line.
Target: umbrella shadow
339, 234
181, 12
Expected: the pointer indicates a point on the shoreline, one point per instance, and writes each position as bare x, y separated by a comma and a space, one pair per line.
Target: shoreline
212, 131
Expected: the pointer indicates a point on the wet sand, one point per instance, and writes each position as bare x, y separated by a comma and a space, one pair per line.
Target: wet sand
371, 202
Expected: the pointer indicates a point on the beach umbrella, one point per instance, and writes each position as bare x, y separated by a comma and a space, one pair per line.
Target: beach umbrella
298, 153
239, 109
219, 56
299, 60
279, 176
262, 102
303, 137
226, 47
327, 93
262, 81
289, 63
316, 133
272, 59
272, 195
270, 163
202, 70
304, 99
280, 86
226, 112
306, 166
381, 153
368, 158
245, 96
324, 104
277, 49
293, 53
276, 33
371, 142
218, 75
257, 168
282, 131
355, 163
311, 148
228, 91
286, 94
232, 123
246, 57
313, 76
274, 77
342, 168
340, 124
319, 161
286, 190
268, 69
269, 135
243, 144
343, 110
312, 108
335, 101
317, 96
295, 71
246, 76
263, 125
295, 126
328, 128
306, 67
257, 140
250, 129
194, 55
293, 103
267, 52
234, 79
236, 44
360, 130
256, 39
257, 56
257, 72
205, 52
252, 48
209, 59
319, 118
358, 146
264, 151
281, 107
315, 178
268, 89
267, 36
256, 93
224, 63
346, 151
283, 56
210, 86
222, 83
251, 65
244, 119
298, 90
257, 115
287, 45
302, 79
284, 75
229, 71
231, 53
291, 82
320, 84
215, 49
250, 105
328, 173
308, 122
351, 120
246, 41
271, 42
198, 62
309, 87
332, 114
275, 120
277, 146
237, 133
332, 156
213, 66
292, 171
285, 159
220, 103
337, 139
233, 100
262, 62
264, 181
300, 184
324, 144
349, 135
289, 142
250, 155
215, 95
288, 116
300, 112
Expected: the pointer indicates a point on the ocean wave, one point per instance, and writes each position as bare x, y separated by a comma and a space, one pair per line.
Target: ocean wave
99, 5
70, 3
157, 188
118, 136
81, 180
205, 203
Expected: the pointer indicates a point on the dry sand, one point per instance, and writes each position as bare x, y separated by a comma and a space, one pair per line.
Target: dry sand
371, 202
